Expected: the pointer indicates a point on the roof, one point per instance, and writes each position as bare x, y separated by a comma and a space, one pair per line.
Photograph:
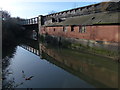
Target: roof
73, 9
97, 18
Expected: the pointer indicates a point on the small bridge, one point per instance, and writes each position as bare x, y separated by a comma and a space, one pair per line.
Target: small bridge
31, 24
31, 21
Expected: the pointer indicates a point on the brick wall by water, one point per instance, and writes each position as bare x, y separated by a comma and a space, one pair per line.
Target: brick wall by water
95, 32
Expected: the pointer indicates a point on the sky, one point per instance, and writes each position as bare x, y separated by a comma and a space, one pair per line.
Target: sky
32, 8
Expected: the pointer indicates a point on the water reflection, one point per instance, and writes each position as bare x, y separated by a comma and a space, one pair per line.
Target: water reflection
99, 71
41, 65
7, 54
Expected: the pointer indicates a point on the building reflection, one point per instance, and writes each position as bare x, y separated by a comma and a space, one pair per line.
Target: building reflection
99, 71
96, 70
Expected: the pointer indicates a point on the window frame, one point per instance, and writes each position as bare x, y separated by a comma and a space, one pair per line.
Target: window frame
64, 29
82, 29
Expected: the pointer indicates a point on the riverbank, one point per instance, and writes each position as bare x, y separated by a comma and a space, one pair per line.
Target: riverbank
89, 46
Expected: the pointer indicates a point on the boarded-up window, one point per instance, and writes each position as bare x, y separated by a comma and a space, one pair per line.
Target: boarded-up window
82, 29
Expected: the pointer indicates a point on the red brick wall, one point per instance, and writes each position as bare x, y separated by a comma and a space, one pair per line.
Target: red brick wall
98, 32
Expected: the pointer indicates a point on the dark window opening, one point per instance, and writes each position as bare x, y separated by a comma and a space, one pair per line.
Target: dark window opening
63, 29
72, 28
80, 28
54, 29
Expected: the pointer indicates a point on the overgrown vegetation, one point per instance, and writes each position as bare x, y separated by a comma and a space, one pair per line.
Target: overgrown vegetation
11, 28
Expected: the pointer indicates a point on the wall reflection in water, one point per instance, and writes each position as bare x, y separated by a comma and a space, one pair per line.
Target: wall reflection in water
99, 71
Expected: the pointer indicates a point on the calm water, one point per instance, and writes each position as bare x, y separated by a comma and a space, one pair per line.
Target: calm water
31, 64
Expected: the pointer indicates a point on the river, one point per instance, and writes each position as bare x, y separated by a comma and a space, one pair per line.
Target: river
32, 64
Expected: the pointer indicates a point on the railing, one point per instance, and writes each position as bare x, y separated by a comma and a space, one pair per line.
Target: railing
30, 21
31, 49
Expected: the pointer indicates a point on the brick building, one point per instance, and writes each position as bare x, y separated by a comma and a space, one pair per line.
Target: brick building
89, 25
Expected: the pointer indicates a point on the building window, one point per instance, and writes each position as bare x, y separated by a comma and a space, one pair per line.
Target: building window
72, 28
54, 29
64, 29
82, 29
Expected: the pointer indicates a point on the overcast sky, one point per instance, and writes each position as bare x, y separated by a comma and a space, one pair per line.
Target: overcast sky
29, 9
